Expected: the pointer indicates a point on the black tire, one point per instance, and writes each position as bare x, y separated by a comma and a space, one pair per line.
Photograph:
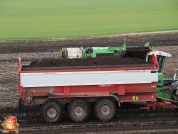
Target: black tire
51, 111
78, 110
105, 109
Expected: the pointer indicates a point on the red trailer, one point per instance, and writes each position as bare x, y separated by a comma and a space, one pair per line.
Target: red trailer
75, 88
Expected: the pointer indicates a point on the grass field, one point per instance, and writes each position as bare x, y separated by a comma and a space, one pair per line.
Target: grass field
73, 18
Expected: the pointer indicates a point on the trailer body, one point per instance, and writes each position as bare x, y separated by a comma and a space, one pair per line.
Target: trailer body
76, 87
91, 81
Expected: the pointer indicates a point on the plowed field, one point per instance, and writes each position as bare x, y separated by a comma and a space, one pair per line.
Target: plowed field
127, 121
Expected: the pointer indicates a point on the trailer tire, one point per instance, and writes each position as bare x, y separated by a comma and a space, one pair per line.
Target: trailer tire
51, 111
105, 109
78, 110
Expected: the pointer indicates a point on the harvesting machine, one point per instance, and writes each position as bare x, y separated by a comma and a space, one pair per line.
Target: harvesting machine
82, 88
124, 51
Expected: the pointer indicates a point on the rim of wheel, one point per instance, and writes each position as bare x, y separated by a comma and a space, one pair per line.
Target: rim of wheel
51, 112
79, 111
105, 110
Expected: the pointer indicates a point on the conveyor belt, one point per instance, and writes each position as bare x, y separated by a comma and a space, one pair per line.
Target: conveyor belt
136, 52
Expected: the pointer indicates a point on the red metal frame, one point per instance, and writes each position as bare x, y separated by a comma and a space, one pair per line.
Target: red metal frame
145, 92
155, 105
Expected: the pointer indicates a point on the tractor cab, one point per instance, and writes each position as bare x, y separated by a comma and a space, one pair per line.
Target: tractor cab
167, 89
161, 56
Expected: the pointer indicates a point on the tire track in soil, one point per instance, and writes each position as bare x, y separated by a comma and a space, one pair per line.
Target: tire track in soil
131, 120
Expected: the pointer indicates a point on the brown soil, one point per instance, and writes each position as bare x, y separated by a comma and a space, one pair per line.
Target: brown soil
100, 61
50, 46
126, 122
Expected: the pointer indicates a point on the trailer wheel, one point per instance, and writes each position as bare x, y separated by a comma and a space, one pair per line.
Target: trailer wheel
51, 111
78, 110
105, 109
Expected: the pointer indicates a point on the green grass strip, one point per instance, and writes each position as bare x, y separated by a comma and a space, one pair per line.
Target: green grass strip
20, 19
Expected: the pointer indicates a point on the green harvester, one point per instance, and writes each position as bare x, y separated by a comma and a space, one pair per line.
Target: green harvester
165, 92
